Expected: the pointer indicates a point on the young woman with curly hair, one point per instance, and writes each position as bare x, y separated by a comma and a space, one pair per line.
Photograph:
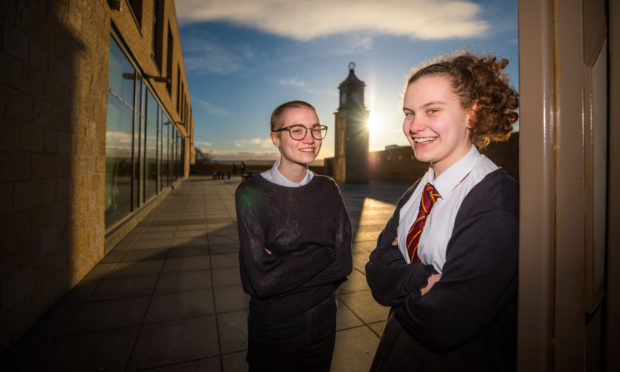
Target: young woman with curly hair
446, 261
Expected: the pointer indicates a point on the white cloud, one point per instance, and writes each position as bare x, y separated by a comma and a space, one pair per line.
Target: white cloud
357, 44
296, 82
309, 19
293, 81
205, 54
203, 144
211, 108
118, 138
260, 142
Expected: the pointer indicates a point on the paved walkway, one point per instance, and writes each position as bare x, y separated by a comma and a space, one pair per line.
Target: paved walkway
169, 296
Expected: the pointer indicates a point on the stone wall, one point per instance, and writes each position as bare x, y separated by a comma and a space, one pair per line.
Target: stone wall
53, 104
52, 153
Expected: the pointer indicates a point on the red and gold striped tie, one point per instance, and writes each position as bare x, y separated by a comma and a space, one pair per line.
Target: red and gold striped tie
429, 196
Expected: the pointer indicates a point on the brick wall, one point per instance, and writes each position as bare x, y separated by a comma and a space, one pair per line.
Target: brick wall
53, 104
52, 119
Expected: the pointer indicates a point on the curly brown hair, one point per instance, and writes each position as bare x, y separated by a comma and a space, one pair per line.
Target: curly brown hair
478, 80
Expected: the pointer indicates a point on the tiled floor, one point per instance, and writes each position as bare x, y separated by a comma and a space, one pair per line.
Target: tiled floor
169, 296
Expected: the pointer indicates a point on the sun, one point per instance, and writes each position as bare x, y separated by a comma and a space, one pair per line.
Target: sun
374, 129
373, 123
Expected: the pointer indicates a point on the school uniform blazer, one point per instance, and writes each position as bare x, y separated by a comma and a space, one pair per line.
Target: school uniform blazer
467, 321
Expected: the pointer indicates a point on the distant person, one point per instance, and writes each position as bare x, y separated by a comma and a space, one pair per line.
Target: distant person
446, 261
234, 169
295, 249
243, 168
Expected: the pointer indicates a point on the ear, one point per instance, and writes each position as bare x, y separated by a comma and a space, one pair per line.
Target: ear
275, 138
471, 115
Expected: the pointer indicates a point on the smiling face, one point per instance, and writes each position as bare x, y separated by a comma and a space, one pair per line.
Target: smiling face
296, 153
436, 125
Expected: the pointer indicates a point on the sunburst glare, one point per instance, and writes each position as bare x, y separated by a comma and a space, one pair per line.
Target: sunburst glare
374, 125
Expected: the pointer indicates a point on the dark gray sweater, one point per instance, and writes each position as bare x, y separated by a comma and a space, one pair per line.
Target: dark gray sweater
467, 322
308, 233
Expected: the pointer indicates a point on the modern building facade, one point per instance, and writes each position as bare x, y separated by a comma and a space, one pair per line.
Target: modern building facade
350, 164
97, 126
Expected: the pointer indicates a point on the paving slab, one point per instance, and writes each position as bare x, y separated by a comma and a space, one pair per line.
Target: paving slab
355, 348
169, 298
180, 305
175, 342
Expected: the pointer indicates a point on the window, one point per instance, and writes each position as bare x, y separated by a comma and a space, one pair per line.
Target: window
169, 61
172, 154
179, 157
135, 6
186, 114
180, 101
163, 158
150, 146
144, 149
119, 136
178, 87
156, 41
182, 114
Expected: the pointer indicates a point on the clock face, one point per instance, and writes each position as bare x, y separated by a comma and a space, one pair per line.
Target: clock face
356, 96
343, 97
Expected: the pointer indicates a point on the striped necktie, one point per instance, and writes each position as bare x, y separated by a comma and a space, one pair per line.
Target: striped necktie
429, 196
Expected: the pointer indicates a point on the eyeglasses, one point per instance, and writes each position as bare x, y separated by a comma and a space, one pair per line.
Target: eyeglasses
299, 132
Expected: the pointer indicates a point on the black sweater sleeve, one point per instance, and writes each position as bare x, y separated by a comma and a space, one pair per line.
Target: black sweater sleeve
267, 274
479, 277
342, 263
389, 277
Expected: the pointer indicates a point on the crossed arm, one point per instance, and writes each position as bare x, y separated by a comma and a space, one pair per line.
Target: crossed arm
287, 264
478, 280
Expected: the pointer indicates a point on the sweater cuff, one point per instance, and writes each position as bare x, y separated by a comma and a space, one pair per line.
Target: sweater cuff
417, 278
389, 255
385, 282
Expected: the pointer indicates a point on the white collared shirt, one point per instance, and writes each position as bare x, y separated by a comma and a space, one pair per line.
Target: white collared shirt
274, 175
453, 185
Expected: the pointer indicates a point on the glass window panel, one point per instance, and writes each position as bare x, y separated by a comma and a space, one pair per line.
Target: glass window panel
161, 175
170, 152
119, 132
158, 151
121, 74
165, 168
175, 154
173, 157
139, 145
179, 155
150, 151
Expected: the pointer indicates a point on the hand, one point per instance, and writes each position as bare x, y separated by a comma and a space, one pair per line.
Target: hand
434, 278
395, 242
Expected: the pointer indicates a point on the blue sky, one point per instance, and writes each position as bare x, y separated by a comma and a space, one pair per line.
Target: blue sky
245, 57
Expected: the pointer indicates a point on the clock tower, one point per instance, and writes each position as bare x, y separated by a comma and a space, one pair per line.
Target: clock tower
351, 148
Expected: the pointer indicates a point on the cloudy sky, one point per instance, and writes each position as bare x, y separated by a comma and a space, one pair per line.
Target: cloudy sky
245, 57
